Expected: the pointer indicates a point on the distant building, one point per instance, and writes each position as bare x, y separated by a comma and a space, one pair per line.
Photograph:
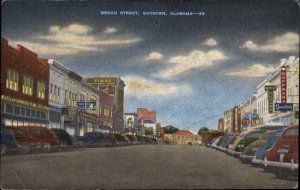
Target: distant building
24, 87
221, 124
113, 86
131, 123
185, 136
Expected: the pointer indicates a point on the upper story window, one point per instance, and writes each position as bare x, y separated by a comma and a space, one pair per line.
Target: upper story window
41, 89
27, 84
12, 79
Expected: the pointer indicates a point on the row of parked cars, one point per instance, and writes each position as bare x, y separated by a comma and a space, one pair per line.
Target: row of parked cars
42, 139
274, 148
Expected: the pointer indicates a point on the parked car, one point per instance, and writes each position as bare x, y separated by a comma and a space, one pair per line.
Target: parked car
46, 139
248, 139
232, 147
63, 137
110, 139
283, 156
26, 141
232, 140
249, 152
92, 139
8, 142
270, 141
214, 143
190, 143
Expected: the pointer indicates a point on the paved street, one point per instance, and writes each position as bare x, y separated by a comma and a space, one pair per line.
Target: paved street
142, 167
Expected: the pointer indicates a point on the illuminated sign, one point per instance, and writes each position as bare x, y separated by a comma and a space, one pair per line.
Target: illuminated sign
270, 89
110, 90
284, 107
283, 84
236, 122
257, 122
88, 115
86, 105
102, 81
23, 102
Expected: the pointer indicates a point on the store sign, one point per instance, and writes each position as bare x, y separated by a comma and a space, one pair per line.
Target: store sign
86, 105
257, 122
102, 81
284, 107
23, 102
283, 84
253, 116
236, 121
270, 89
245, 121
88, 115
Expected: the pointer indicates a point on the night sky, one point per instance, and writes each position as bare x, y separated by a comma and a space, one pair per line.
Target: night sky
189, 69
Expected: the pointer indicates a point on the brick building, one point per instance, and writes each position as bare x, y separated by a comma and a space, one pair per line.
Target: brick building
24, 86
106, 105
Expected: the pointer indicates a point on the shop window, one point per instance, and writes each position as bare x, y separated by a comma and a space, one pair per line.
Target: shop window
38, 114
12, 79
32, 113
28, 112
27, 84
9, 108
20, 123
43, 115
15, 123
8, 122
26, 123
17, 110
23, 111
41, 89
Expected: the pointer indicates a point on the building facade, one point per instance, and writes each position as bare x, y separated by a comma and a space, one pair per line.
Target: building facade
147, 121
115, 87
221, 124
58, 77
106, 106
24, 87
131, 123
227, 121
185, 137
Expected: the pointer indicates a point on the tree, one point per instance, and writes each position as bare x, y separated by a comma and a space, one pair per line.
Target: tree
202, 129
169, 129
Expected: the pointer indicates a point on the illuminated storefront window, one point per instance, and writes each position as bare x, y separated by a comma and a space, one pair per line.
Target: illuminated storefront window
12, 79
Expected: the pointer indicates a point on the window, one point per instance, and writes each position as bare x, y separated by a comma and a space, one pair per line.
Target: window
17, 110
43, 115
51, 92
9, 108
12, 79
41, 89
27, 85
58, 93
23, 111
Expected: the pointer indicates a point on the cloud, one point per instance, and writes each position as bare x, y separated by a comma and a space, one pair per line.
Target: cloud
53, 49
210, 42
73, 39
256, 70
195, 60
288, 42
154, 56
110, 30
140, 87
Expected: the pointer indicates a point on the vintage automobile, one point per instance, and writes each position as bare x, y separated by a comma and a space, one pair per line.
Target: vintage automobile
26, 141
249, 152
283, 157
46, 139
92, 139
214, 143
248, 139
8, 142
225, 141
231, 147
258, 158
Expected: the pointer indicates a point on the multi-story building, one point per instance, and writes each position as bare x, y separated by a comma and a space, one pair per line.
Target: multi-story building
58, 77
249, 117
147, 121
130, 123
115, 87
89, 116
291, 92
106, 105
227, 121
221, 124
24, 87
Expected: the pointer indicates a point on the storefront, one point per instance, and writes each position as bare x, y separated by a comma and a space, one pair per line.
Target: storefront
18, 112
88, 122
